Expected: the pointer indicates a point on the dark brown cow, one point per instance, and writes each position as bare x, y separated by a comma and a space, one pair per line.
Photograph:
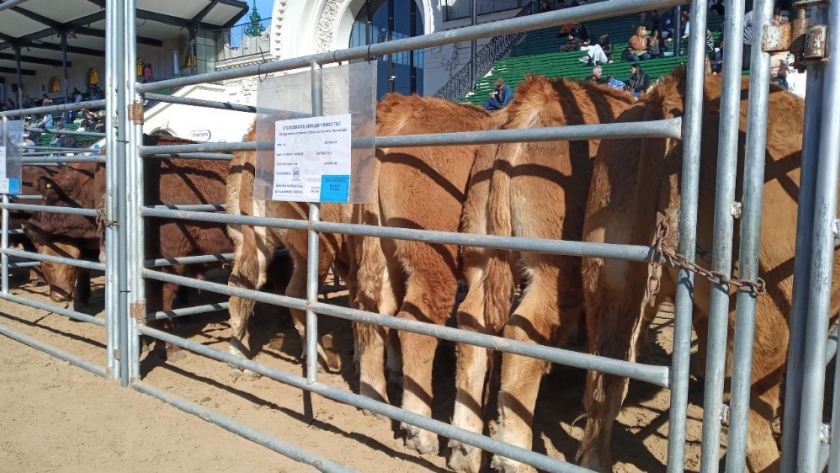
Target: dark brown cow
168, 182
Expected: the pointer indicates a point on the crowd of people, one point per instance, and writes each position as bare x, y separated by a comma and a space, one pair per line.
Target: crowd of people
653, 37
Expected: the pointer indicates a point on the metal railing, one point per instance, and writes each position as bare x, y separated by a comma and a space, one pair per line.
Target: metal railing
463, 81
127, 267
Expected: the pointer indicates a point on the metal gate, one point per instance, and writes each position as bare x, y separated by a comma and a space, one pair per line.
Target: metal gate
806, 441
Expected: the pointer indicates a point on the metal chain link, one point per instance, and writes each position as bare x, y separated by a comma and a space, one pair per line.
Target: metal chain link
662, 255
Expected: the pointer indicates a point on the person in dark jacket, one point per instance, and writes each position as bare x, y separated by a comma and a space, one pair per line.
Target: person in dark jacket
578, 36
499, 97
639, 82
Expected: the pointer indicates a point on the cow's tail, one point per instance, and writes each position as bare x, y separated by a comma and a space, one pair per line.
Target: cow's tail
498, 276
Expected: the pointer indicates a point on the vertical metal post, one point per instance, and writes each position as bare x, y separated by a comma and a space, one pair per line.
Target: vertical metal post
194, 48
112, 277
802, 264
312, 267
19, 77
64, 67
822, 256
134, 250
473, 44
4, 242
412, 32
692, 135
834, 449
678, 31
389, 35
727, 166
748, 265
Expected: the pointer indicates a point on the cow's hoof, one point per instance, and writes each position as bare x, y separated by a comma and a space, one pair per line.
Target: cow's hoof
80, 306
422, 441
238, 372
175, 355
463, 457
506, 465
591, 461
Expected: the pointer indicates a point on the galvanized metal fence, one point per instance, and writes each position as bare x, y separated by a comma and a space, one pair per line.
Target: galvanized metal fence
804, 448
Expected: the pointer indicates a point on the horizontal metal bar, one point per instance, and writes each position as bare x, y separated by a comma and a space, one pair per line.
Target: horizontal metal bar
9, 4
669, 128
592, 11
62, 355
25, 264
219, 257
47, 161
255, 435
207, 156
538, 245
519, 454
191, 208
831, 346
201, 309
79, 263
15, 231
25, 196
200, 103
656, 375
56, 148
67, 132
51, 308
64, 107
53, 209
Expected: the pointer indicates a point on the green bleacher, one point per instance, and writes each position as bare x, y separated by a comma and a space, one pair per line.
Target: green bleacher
538, 54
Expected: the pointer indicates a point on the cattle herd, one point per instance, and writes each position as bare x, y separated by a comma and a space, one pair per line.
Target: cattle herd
617, 192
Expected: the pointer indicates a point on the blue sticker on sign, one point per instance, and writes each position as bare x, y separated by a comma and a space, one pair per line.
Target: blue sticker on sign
14, 185
335, 189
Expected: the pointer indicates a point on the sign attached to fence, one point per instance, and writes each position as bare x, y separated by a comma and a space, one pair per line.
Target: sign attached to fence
312, 159
200, 135
304, 156
11, 143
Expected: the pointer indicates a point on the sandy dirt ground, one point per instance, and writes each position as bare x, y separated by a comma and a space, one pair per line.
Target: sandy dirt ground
60, 418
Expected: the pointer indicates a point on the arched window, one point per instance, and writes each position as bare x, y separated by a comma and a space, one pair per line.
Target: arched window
93, 76
55, 85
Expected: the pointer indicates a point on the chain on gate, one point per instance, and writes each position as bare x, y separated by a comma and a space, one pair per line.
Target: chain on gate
662, 254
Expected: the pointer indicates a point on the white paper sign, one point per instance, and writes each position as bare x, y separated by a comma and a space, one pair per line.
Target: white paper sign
3, 164
312, 159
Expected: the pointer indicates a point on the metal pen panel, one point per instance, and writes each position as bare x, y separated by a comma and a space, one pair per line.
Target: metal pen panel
55, 259
111, 213
65, 107
822, 255
724, 224
748, 263
692, 134
51, 308
4, 245
52, 208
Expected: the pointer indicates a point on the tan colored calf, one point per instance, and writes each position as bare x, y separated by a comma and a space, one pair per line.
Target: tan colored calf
535, 190
632, 181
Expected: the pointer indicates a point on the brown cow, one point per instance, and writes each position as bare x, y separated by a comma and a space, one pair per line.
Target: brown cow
419, 188
634, 180
254, 248
169, 182
535, 190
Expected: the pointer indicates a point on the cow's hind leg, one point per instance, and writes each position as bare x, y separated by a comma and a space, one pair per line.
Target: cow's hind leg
249, 271
430, 296
297, 289
472, 366
536, 320
614, 323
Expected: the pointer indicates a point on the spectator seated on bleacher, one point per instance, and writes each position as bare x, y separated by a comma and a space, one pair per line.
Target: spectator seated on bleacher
600, 53
645, 21
499, 97
47, 121
598, 78
637, 46
578, 36
638, 82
